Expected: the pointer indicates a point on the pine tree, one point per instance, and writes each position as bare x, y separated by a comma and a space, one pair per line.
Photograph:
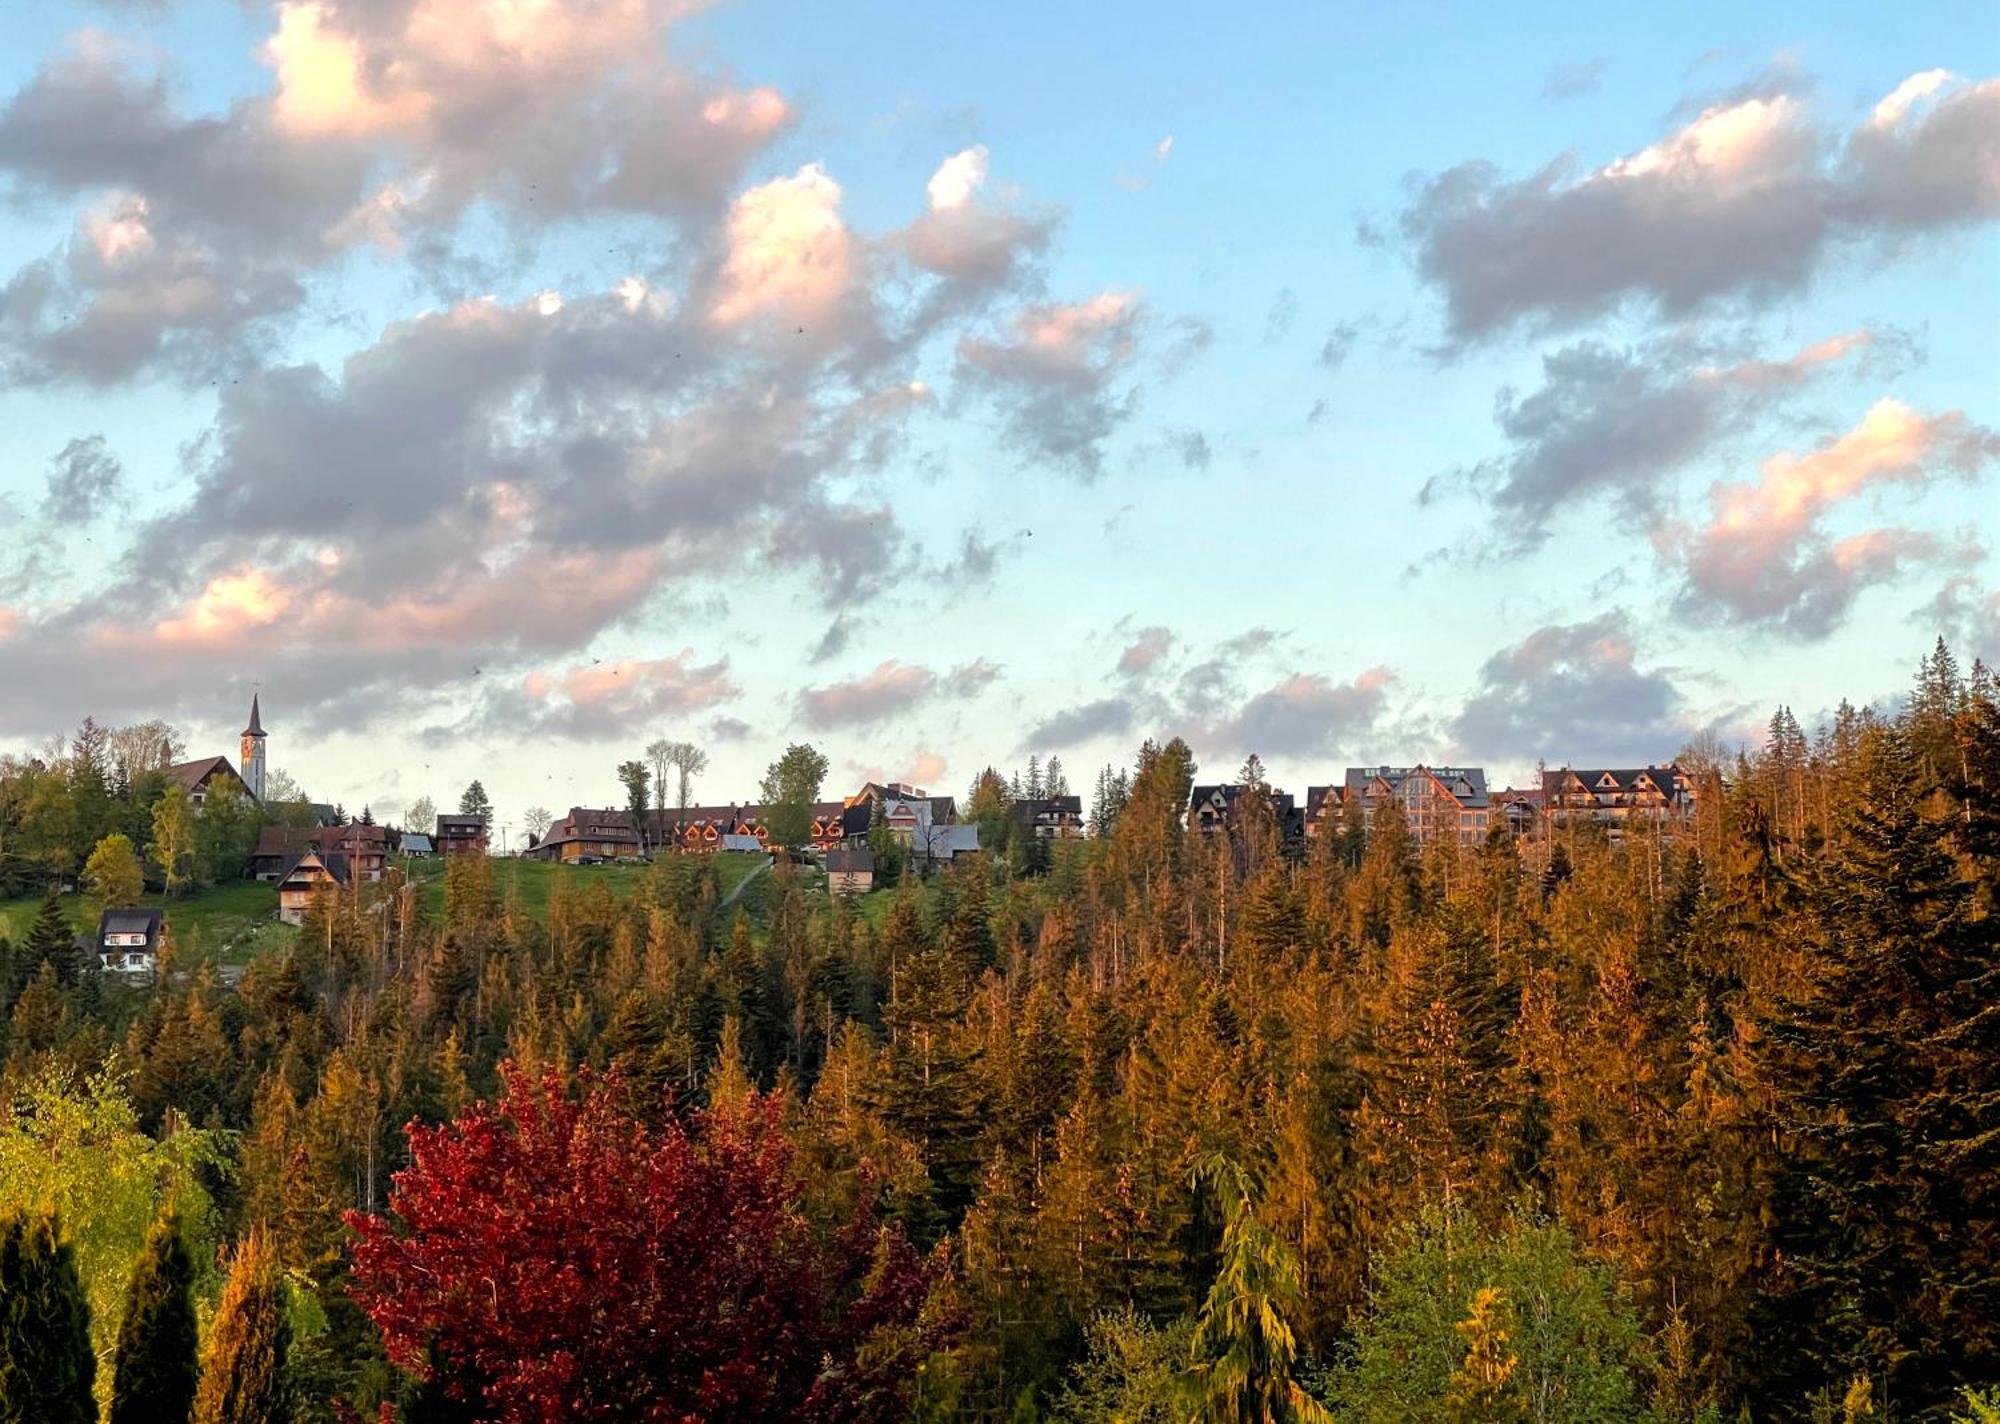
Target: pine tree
243, 1380
47, 1369
158, 1365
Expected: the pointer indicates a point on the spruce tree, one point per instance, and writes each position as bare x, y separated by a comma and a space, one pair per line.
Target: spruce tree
1880, 1069
47, 1369
50, 941
158, 1364
243, 1381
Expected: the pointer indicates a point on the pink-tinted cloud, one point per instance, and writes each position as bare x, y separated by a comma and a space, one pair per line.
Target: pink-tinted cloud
1145, 650
791, 257
1762, 556
889, 689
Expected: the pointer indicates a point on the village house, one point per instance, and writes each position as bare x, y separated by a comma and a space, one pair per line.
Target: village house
366, 848
1212, 809
1325, 805
277, 847
1616, 797
416, 846
128, 942
198, 778
460, 834
586, 835
302, 879
1058, 818
850, 871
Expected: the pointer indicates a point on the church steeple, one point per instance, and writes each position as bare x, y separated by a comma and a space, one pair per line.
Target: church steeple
253, 751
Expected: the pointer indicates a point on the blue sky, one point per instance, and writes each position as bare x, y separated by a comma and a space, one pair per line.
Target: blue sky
1344, 385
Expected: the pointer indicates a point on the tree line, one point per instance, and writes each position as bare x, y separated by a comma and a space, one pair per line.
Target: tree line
1680, 1124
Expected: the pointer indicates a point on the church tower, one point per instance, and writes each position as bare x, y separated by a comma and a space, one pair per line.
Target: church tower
253, 752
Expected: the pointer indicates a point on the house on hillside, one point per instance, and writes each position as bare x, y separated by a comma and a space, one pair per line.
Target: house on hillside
366, 848
1438, 802
1325, 806
277, 847
1214, 808
1055, 818
303, 878
128, 942
850, 871
586, 834
415, 846
1616, 797
198, 778
460, 834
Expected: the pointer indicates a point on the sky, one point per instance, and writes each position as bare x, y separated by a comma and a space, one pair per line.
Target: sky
497, 386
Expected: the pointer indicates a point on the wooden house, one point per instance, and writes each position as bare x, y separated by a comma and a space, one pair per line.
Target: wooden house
460, 834
303, 878
850, 871
1615, 797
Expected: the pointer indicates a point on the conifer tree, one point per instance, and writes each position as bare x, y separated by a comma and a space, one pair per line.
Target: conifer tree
158, 1364
1245, 1356
47, 1369
50, 942
243, 1380
1892, 1095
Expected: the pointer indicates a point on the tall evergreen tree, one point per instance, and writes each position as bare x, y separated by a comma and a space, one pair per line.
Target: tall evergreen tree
47, 1368
1879, 1068
1246, 1358
50, 941
158, 1364
244, 1381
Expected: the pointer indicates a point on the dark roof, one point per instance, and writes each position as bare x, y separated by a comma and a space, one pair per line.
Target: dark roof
334, 862
285, 842
856, 819
851, 861
460, 822
1029, 808
256, 727
133, 921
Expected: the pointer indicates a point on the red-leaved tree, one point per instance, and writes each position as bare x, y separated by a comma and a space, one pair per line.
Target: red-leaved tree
555, 1258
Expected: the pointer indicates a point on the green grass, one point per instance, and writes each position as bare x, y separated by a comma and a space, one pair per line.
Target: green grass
533, 881
230, 923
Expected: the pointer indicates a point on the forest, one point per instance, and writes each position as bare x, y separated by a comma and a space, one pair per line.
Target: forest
1692, 1123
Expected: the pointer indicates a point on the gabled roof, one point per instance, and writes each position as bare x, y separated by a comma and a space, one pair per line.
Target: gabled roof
416, 843
332, 862
1033, 808
193, 775
852, 861
130, 921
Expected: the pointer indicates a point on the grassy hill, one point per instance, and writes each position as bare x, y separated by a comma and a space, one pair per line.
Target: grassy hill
533, 881
233, 923
230, 923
